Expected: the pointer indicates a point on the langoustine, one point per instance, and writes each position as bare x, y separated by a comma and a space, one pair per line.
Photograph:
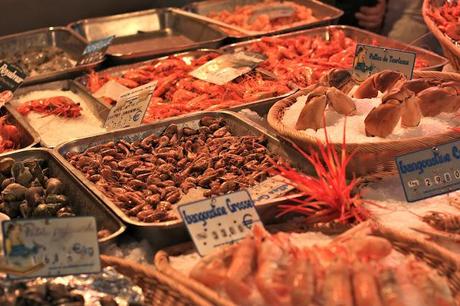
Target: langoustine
10, 136
446, 18
348, 273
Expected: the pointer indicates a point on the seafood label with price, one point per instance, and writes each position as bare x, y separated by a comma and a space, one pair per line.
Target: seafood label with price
227, 67
95, 51
130, 108
219, 220
430, 172
52, 247
371, 59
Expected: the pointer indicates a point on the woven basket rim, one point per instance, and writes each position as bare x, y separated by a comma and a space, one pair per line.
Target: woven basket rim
276, 112
441, 37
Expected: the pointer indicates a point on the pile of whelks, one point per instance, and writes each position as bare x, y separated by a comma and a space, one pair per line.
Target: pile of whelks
259, 270
402, 100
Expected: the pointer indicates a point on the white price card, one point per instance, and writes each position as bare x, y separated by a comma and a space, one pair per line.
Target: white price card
227, 67
371, 59
219, 220
130, 108
60, 246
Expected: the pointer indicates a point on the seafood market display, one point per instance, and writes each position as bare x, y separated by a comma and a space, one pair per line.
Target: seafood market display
259, 270
144, 178
108, 288
177, 93
423, 106
304, 59
10, 137
446, 18
29, 192
58, 115
40, 60
261, 17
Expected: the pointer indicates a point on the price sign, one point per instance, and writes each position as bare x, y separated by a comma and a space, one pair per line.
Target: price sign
219, 220
130, 108
227, 67
95, 51
370, 59
59, 246
430, 172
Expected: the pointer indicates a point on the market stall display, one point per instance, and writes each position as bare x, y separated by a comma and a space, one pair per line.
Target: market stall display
35, 184
59, 111
46, 54
244, 19
149, 33
303, 57
178, 93
441, 18
371, 154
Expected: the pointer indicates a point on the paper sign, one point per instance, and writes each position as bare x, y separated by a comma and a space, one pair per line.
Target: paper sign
130, 109
370, 59
219, 220
95, 51
271, 188
11, 77
227, 67
62, 245
272, 11
430, 172
112, 89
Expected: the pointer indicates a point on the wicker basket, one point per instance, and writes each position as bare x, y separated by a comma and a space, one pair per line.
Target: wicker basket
369, 158
159, 288
451, 51
443, 261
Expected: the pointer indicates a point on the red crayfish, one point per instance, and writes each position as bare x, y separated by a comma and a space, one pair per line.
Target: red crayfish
60, 106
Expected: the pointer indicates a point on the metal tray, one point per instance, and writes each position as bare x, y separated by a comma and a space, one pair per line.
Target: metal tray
149, 33
83, 201
60, 37
325, 13
95, 106
171, 232
189, 55
435, 61
29, 137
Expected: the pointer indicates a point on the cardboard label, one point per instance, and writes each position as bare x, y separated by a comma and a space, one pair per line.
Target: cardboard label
61, 246
430, 172
227, 67
271, 188
370, 59
273, 11
112, 89
11, 77
95, 51
219, 220
130, 109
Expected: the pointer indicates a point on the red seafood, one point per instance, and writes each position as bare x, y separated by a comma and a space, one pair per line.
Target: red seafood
256, 17
447, 18
10, 138
60, 106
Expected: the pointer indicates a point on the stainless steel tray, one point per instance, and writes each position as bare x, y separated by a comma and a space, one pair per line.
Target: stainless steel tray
187, 56
60, 37
96, 107
171, 232
82, 200
325, 13
29, 137
435, 61
149, 33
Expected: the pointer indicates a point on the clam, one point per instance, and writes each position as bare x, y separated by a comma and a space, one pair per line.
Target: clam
43, 210
56, 198
54, 186
14, 192
25, 209
5, 165
7, 182
34, 195
21, 174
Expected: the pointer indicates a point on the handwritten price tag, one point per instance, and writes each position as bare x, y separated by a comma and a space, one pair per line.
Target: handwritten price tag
430, 172
95, 51
61, 246
130, 109
219, 220
370, 59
